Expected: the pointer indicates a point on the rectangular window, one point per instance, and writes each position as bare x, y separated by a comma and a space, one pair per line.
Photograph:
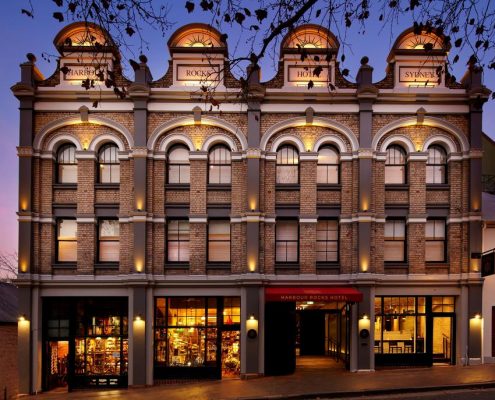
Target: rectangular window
435, 240
109, 173
327, 241
327, 174
288, 174
395, 240
179, 173
287, 241
395, 174
67, 173
219, 241
67, 240
108, 240
435, 174
178, 241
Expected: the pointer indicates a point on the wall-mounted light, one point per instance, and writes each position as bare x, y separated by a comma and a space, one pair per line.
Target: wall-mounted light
22, 318
138, 317
139, 204
364, 264
252, 264
138, 264
475, 262
477, 316
364, 204
365, 316
252, 327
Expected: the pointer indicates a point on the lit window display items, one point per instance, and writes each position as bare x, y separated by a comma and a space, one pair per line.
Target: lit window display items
197, 337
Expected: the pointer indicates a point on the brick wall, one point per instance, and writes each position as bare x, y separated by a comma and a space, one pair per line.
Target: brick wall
8, 361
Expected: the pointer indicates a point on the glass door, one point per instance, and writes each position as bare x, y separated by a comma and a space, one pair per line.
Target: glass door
57, 360
443, 339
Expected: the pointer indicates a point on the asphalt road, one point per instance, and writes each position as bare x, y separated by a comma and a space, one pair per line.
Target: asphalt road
468, 394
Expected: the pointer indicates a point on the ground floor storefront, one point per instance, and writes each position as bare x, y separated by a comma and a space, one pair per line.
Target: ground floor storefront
150, 333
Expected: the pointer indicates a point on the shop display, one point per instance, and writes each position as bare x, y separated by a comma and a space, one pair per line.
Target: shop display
231, 364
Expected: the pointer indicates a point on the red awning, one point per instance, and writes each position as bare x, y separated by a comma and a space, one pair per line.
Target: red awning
313, 294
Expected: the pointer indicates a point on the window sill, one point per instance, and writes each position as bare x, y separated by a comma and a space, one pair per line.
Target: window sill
437, 186
293, 266
287, 186
219, 186
107, 185
329, 186
64, 265
397, 186
177, 186
65, 186
107, 265
327, 265
218, 265
171, 265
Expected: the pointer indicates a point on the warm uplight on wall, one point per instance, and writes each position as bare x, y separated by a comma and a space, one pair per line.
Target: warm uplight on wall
364, 264
23, 325
139, 265
23, 205
418, 146
364, 204
23, 266
252, 327
252, 204
139, 204
252, 264
475, 262
198, 144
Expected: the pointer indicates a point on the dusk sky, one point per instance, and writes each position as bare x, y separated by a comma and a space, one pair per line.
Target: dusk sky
22, 35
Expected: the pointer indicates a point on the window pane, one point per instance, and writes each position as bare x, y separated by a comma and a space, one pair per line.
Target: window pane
394, 251
173, 251
178, 155
219, 251
328, 155
109, 251
67, 173
287, 230
67, 251
394, 174
109, 229
287, 174
434, 251
67, 229
225, 174
214, 174
219, 230
185, 174
291, 251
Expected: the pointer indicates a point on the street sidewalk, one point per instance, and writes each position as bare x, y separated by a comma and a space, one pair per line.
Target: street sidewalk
307, 383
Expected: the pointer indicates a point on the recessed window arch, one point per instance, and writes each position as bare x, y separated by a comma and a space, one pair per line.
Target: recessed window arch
67, 164
109, 165
219, 165
395, 165
178, 165
436, 165
328, 169
287, 164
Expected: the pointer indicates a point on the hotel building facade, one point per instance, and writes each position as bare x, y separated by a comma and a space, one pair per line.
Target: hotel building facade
161, 238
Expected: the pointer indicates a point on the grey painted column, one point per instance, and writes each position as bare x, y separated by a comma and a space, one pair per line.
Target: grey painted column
24, 339
364, 342
139, 325
366, 94
139, 92
250, 347
475, 293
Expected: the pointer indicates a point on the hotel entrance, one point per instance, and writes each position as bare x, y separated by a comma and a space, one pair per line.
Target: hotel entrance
312, 331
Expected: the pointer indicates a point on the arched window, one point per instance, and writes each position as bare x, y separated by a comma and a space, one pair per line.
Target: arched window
395, 165
178, 164
67, 164
219, 162
287, 164
436, 166
328, 165
108, 159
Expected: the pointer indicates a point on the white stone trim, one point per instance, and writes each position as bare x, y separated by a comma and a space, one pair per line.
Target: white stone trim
294, 140
76, 119
331, 139
455, 157
124, 220
56, 141
418, 156
397, 139
100, 140
365, 153
139, 152
308, 220
85, 155
317, 121
86, 220
428, 121
45, 220
176, 138
416, 221
443, 140
271, 157
308, 157
205, 120
200, 156
46, 155
237, 156
270, 220
138, 218
219, 139
198, 220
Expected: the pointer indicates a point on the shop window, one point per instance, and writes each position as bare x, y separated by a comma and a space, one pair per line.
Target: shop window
327, 171
395, 240
287, 241
219, 241
327, 241
67, 164
57, 328
435, 248
178, 241
436, 165
66, 240
219, 165
443, 304
395, 165
287, 165
178, 165
108, 158
108, 240
400, 325
231, 310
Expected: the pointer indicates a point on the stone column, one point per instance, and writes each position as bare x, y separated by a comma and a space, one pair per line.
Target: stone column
307, 213
198, 217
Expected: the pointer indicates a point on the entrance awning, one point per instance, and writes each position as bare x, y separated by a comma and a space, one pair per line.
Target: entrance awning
313, 294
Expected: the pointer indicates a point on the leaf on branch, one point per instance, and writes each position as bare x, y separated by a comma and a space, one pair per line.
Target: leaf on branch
348, 22
86, 84
342, 57
247, 12
316, 58
28, 13
130, 31
455, 29
310, 84
224, 37
254, 28
332, 87
317, 71
134, 64
105, 4
239, 17
345, 72
478, 43
65, 70
428, 46
58, 16
458, 42
380, 18
413, 4
227, 18
392, 4
59, 2
206, 5
72, 7
456, 58
261, 14
318, 12
120, 7
95, 104
471, 21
